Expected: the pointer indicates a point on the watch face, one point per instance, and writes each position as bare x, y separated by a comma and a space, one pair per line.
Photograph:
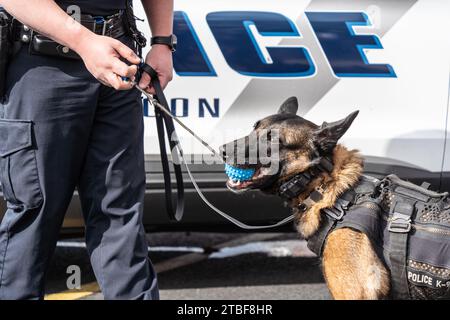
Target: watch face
174, 41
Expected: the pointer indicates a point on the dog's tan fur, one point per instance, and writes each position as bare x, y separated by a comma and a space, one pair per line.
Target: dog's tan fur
351, 267
348, 167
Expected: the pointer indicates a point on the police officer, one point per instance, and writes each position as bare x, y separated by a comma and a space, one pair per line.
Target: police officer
74, 123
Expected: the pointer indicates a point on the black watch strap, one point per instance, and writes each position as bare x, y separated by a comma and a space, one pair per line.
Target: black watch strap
170, 41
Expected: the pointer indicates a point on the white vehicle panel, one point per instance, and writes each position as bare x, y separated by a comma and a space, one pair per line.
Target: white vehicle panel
401, 117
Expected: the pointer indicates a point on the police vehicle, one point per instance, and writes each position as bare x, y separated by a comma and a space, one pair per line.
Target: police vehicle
237, 61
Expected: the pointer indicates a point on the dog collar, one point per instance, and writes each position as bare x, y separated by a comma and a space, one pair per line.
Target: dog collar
298, 184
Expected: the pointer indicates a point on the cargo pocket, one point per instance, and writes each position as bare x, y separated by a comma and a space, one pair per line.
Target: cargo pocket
18, 169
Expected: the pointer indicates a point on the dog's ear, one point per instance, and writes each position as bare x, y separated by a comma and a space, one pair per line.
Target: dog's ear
326, 137
290, 106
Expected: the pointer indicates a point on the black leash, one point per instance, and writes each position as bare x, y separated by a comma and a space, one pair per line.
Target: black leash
164, 121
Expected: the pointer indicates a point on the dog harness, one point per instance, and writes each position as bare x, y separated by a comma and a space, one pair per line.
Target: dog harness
409, 227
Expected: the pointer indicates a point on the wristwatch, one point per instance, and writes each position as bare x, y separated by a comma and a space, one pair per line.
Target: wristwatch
170, 41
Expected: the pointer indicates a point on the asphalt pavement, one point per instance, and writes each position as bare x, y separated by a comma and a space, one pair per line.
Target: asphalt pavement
206, 266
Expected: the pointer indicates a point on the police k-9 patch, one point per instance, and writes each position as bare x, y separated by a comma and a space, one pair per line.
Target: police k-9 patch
422, 278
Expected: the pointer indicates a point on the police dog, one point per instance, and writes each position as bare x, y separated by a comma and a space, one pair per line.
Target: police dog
351, 267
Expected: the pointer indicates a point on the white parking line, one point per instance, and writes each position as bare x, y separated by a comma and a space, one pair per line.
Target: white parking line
176, 249
81, 244
71, 244
288, 248
192, 258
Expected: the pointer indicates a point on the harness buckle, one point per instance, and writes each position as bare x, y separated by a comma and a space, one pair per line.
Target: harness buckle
399, 223
336, 212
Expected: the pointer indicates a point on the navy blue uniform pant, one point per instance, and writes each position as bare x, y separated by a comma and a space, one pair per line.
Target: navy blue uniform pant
61, 129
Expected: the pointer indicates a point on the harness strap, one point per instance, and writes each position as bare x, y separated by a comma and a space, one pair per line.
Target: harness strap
317, 241
399, 227
333, 215
163, 120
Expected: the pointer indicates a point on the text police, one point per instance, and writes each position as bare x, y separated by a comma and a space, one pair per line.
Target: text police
235, 36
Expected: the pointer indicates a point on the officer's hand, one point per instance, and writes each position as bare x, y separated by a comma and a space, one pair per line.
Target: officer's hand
160, 59
101, 55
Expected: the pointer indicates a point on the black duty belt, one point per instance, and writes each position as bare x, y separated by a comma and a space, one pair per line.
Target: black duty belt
111, 26
164, 120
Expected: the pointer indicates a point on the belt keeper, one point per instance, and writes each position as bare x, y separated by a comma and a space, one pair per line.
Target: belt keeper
98, 21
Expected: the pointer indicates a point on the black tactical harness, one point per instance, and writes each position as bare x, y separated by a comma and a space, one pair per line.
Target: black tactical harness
409, 227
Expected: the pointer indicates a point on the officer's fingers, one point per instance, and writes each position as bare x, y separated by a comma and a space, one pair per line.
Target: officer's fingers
125, 84
104, 82
132, 70
128, 83
126, 52
121, 69
150, 89
117, 83
145, 80
113, 81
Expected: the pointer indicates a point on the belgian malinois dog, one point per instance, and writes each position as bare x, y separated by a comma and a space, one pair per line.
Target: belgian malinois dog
351, 267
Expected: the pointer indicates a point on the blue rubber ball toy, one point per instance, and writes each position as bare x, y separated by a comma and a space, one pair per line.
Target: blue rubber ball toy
239, 174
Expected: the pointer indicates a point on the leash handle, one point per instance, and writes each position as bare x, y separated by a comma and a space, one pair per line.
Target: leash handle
164, 121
